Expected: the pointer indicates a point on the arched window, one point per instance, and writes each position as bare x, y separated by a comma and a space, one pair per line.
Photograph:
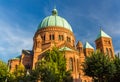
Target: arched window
44, 37
52, 37
85, 81
110, 52
71, 64
16, 66
77, 65
61, 37
68, 39
107, 52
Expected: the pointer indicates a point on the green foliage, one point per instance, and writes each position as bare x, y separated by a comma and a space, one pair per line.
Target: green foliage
5, 75
52, 68
19, 73
116, 77
99, 66
3, 71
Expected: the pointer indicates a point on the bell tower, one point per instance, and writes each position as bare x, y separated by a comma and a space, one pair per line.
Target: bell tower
104, 44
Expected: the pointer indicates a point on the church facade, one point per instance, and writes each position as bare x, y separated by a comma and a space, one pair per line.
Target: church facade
56, 31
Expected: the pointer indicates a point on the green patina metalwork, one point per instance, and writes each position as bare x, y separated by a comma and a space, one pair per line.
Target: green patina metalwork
54, 20
102, 34
87, 45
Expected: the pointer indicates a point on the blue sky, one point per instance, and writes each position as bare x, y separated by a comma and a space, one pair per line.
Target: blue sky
19, 20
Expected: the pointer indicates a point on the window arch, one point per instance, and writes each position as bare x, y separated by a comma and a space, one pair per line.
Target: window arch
110, 51
16, 67
44, 37
77, 65
71, 64
61, 37
52, 37
107, 51
68, 39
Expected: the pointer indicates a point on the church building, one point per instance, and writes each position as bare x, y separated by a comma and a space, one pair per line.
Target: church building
53, 31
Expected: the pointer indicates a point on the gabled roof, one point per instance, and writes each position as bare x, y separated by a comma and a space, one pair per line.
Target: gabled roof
87, 45
102, 34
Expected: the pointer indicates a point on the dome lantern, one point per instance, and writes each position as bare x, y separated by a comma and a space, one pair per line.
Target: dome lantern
54, 12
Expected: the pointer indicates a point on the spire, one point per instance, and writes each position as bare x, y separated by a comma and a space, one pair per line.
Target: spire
54, 11
79, 44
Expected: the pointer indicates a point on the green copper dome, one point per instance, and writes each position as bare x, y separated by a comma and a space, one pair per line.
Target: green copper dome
54, 20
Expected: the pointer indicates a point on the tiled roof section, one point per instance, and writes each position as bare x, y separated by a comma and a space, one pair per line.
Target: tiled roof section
87, 45
102, 34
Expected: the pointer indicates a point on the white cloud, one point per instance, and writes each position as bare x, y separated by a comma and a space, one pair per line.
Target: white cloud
13, 40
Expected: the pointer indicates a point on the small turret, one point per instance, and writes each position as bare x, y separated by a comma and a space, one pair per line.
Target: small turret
38, 44
79, 46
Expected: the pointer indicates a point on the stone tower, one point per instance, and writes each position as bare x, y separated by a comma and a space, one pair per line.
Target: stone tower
79, 47
104, 44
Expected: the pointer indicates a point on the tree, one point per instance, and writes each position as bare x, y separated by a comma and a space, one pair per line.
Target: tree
5, 75
3, 71
116, 77
20, 73
99, 66
52, 68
